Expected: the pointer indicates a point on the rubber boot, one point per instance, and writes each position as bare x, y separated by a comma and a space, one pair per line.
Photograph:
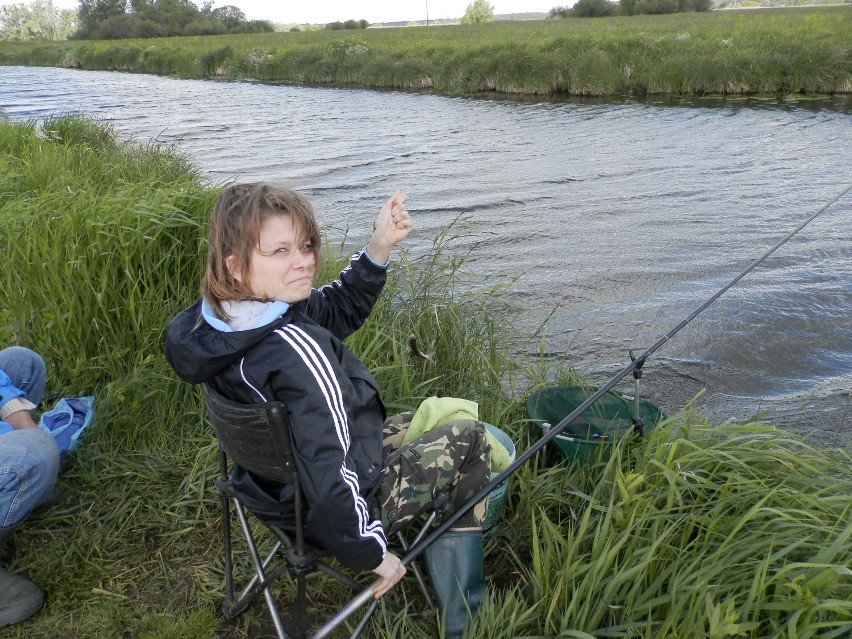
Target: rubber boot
21, 598
454, 562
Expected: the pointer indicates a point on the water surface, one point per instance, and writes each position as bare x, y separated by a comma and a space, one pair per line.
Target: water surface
615, 220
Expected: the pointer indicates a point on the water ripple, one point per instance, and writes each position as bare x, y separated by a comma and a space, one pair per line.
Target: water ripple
618, 218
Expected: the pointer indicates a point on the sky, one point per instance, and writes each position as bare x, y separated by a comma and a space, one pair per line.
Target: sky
324, 11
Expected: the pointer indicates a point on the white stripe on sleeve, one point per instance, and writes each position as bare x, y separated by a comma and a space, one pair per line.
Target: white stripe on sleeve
323, 374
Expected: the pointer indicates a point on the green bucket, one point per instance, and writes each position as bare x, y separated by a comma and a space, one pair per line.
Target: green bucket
497, 497
606, 421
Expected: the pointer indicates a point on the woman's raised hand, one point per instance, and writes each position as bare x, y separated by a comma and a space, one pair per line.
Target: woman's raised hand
393, 225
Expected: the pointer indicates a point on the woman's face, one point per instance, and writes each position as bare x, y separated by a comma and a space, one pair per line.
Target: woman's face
284, 266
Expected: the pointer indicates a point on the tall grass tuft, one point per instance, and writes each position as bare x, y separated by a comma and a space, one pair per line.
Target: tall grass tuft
100, 244
699, 530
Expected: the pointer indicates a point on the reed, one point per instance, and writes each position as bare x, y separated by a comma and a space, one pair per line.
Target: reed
776, 51
700, 530
100, 246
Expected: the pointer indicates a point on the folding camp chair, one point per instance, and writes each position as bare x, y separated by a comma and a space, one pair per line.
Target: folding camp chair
257, 438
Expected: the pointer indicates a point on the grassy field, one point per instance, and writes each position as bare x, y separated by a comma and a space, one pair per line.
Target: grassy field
771, 51
700, 530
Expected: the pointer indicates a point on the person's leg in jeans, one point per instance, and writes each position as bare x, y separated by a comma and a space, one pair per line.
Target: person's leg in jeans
29, 461
27, 371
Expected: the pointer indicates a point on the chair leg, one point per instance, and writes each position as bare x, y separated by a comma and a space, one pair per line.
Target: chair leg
302, 605
353, 585
235, 605
221, 483
418, 575
261, 580
405, 546
259, 571
226, 544
363, 623
273, 612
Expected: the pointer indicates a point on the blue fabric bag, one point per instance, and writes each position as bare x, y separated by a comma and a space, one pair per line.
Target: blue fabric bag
67, 420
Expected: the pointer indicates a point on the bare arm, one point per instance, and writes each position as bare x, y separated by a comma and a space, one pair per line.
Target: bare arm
20, 420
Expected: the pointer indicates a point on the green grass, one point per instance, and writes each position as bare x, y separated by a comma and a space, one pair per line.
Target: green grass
772, 51
701, 530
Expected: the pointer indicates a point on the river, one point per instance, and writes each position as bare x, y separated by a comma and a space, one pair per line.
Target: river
614, 219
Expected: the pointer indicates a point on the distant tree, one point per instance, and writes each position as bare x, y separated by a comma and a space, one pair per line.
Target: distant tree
140, 6
93, 12
477, 12
123, 25
205, 24
254, 26
594, 9
38, 21
349, 24
656, 7
687, 6
172, 15
105, 19
230, 15
560, 12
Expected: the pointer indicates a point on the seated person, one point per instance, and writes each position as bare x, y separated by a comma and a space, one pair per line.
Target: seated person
29, 461
261, 332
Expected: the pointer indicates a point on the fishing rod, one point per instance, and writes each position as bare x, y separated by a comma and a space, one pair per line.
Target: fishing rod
635, 365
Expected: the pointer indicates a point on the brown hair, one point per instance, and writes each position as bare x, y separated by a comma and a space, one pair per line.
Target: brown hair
235, 230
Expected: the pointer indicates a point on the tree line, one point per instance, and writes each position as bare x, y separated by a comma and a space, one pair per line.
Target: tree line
112, 19
607, 8
38, 21
109, 19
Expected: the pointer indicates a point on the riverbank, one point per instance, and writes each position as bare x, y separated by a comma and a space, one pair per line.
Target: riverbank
754, 52
700, 530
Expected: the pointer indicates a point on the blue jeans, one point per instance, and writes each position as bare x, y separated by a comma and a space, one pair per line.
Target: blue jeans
29, 459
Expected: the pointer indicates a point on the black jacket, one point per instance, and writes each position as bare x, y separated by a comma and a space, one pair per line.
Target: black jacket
336, 412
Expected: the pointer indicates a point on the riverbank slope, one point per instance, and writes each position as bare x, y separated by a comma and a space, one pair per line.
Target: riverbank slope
774, 51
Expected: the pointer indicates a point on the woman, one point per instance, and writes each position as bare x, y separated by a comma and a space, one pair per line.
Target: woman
261, 332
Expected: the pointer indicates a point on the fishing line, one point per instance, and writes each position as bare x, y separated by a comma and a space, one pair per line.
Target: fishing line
634, 365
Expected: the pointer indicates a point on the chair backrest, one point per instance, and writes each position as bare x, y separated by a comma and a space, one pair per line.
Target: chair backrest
255, 436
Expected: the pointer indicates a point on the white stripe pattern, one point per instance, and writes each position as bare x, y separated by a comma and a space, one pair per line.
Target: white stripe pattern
248, 383
323, 373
